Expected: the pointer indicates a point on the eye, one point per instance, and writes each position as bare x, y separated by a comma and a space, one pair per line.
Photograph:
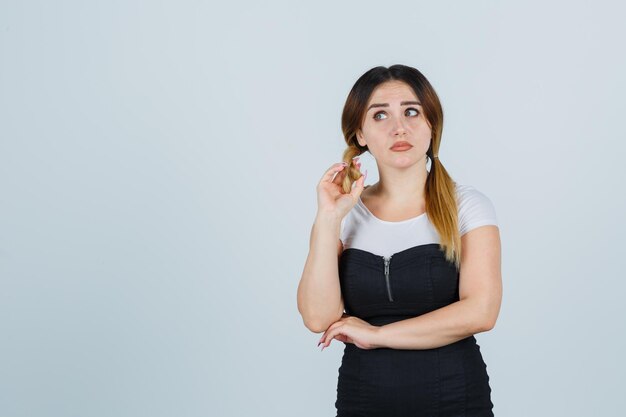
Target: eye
382, 113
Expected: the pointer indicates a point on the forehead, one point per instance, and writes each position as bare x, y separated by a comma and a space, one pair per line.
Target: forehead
392, 91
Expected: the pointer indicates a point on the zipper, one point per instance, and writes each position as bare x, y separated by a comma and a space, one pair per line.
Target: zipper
387, 261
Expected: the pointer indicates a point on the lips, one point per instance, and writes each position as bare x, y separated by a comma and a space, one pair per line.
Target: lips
401, 146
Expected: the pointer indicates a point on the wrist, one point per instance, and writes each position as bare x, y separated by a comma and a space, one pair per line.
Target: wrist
327, 218
379, 337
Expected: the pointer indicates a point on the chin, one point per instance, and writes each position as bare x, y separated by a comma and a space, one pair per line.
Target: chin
404, 161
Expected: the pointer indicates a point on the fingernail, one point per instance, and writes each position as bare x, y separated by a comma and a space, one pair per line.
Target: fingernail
344, 164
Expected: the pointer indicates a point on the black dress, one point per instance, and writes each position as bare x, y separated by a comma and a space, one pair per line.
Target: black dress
446, 381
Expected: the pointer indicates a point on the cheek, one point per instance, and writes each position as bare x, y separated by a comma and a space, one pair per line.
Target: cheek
372, 127
423, 134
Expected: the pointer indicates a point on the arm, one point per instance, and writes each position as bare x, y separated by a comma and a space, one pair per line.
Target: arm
319, 293
480, 294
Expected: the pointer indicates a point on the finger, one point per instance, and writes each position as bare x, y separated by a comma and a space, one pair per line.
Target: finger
331, 327
340, 175
342, 338
325, 335
331, 334
326, 342
331, 171
336, 333
322, 339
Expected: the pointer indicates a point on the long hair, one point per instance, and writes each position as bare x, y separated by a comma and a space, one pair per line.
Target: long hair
440, 192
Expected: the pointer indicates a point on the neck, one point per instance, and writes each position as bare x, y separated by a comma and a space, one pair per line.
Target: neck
399, 186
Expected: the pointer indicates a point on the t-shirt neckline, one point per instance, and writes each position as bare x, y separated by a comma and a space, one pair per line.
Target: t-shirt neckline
370, 214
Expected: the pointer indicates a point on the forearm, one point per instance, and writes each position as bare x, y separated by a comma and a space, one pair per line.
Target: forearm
437, 328
319, 291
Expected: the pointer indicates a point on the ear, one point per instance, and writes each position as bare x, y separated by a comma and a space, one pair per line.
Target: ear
359, 138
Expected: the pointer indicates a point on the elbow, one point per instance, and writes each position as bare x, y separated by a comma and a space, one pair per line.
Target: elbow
492, 317
313, 322
309, 322
487, 315
482, 322
486, 323
318, 324
315, 326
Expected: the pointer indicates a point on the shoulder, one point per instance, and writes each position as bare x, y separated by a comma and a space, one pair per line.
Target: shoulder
474, 207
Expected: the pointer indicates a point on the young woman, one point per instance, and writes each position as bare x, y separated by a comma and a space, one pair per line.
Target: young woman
414, 260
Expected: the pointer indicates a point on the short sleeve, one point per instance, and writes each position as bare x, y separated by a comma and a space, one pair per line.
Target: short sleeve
475, 209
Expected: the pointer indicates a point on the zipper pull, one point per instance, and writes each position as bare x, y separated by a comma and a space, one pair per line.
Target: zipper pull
387, 261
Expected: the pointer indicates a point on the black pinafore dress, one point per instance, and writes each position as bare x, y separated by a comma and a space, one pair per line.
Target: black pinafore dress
451, 380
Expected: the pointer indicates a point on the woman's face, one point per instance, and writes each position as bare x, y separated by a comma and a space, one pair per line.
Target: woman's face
393, 115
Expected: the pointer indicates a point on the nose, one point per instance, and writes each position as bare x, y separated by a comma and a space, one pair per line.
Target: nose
398, 128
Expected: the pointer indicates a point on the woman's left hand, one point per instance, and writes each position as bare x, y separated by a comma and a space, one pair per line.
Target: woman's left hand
350, 329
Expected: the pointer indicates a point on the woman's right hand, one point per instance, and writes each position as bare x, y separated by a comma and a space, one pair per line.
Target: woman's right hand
331, 199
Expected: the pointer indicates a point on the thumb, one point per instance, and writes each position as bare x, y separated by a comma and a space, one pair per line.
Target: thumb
358, 185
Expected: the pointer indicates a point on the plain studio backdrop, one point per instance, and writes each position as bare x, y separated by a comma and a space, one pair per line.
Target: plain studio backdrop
159, 163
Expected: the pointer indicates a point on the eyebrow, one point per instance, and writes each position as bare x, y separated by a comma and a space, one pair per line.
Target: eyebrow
404, 103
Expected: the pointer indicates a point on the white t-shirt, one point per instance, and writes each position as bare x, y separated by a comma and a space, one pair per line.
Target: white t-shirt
361, 229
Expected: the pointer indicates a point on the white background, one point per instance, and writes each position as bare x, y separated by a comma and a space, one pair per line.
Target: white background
158, 165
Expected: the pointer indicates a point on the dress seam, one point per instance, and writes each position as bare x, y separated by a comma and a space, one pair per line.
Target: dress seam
438, 382
465, 382
360, 377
